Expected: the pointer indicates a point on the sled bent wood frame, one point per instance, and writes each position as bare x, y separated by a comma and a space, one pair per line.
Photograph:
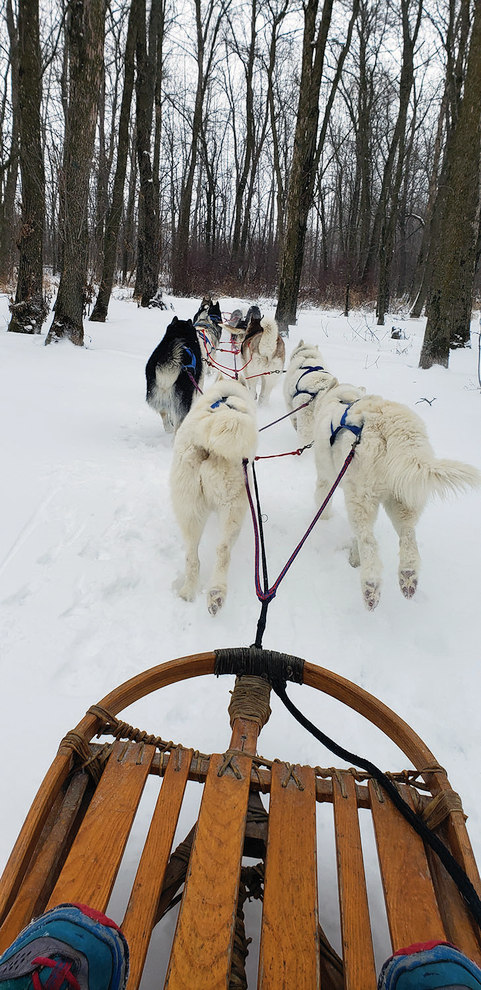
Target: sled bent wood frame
73, 840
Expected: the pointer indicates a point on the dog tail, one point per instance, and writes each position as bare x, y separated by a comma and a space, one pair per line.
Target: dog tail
418, 479
447, 477
167, 373
270, 333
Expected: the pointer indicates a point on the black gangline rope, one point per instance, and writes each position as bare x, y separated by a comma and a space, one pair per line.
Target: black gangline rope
266, 594
455, 871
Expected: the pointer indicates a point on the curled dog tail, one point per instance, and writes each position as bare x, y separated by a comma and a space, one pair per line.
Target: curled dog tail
270, 333
167, 373
448, 476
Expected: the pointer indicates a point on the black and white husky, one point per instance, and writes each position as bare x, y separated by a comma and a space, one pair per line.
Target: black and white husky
207, 476
174, 373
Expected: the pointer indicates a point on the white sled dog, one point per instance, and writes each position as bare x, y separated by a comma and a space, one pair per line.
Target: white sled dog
305, 379
207, 476
393, 465
263, 354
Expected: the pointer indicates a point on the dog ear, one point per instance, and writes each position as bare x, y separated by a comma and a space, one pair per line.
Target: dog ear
174, 320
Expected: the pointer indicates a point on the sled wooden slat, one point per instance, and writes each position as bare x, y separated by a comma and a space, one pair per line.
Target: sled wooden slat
205, 927
39, 880
411, 905
141, 910
19, 859
289, 952
91, 867
456, 917
358, 955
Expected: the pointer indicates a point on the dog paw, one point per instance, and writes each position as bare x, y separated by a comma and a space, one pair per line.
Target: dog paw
215, 600
354, 558
371, 594
408, 582
186, 592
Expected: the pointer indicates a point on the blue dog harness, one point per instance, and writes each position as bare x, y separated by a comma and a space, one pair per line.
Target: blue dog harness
215, 405
193, 363
343, 425
307, 371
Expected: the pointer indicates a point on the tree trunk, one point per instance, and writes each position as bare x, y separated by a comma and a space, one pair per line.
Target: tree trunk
237, 249
302, 174
307, 150
205, 50
29, 309
148, 253
114, 215
86, 45
7, 205
450, 303
391, 198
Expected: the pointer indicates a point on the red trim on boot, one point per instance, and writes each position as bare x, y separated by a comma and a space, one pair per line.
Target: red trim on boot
411, 950
96, 916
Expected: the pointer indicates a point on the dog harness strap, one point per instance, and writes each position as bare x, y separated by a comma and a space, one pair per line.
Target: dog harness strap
345, 426
307, 371
215, 405
193, 363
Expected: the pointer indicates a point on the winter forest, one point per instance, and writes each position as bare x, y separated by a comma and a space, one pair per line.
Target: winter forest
318, 158
303, 151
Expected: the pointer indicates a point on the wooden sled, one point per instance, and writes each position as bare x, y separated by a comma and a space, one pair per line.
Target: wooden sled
73, 840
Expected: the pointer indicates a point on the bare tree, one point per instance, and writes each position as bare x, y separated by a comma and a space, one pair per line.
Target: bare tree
11, 160
208, 23
393, 173
450, 301
454, 36
149, 68
85, 40
29, 309
307, 148
114, 214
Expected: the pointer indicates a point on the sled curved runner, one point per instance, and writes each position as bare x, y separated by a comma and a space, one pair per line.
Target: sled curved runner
73, 840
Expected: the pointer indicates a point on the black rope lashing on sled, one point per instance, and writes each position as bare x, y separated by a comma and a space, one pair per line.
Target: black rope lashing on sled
259, 663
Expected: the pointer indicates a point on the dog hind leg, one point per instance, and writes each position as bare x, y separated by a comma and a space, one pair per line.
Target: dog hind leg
354, 558
404, 521
192, 529
362, 510
166, 421
231, 519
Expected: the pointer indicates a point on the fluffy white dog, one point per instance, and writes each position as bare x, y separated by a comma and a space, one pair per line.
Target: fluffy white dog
263, 354
393, 465
207, 476
304, 380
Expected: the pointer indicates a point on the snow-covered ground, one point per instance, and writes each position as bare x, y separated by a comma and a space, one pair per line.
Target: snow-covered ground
89, 551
